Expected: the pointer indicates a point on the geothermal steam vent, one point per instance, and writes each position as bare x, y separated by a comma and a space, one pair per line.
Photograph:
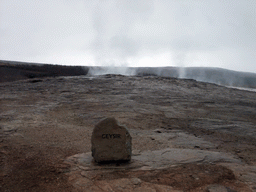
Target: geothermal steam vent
111, 141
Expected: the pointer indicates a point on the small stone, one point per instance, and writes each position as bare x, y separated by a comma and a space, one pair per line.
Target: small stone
83, 182
136, 181
111, 141
158, 131
136, 152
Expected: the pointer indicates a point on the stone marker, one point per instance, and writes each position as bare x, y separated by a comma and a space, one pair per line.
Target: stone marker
111, 141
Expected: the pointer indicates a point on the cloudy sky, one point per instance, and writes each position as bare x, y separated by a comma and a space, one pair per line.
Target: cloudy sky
215, 33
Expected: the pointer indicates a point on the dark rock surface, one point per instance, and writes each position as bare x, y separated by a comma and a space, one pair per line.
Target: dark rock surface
111, 141
13, 71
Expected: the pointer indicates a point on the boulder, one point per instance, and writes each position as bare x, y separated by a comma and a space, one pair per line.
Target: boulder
111, 141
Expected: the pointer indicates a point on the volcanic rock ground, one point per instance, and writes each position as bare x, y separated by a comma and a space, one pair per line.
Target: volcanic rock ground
186, 135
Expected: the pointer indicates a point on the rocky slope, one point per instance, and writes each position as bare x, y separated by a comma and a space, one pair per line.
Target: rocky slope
186, 135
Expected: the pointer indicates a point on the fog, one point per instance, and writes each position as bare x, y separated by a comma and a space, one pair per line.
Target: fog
129, 33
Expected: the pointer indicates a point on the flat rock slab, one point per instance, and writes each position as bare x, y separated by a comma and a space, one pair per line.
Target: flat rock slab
111, 141
171, 156
159, 159
85, 173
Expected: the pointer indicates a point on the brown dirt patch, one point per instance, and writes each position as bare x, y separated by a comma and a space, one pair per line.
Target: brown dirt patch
30, 168
184, 177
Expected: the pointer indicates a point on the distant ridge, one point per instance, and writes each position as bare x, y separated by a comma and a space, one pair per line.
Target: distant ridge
205, 74
15, 70
222, 76
218, 76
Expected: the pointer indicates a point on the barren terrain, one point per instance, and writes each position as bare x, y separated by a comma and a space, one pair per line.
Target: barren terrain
186, 135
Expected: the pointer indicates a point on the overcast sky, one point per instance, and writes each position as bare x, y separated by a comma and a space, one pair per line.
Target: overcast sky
215, 33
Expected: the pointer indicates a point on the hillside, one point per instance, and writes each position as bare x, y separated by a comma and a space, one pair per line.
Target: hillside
186, 135
13, 71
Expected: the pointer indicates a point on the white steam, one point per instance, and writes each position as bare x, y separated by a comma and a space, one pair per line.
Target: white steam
94, 71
